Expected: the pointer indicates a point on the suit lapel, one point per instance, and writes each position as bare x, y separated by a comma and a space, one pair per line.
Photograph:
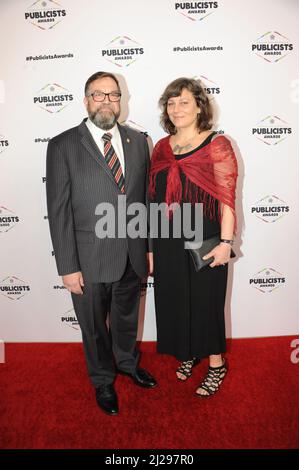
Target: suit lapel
127, 148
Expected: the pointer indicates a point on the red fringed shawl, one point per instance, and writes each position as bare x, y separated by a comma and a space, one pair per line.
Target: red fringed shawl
211, 173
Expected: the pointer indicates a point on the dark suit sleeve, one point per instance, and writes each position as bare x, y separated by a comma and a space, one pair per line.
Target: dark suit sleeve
147, 157
60, 212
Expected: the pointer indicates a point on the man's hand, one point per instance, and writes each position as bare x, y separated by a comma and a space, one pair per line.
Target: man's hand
73, 282
150, 264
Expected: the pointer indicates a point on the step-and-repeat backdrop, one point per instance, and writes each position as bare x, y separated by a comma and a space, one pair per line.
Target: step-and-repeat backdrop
245, 53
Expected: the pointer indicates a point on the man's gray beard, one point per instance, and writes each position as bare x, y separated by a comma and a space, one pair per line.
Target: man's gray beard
104, 121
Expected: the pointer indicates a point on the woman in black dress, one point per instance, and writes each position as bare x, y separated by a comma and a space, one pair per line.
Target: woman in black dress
190, 304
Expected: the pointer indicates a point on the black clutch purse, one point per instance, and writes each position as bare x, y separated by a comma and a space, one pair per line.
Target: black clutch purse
198, 253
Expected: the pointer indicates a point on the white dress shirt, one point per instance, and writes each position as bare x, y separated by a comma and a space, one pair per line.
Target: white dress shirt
97, 135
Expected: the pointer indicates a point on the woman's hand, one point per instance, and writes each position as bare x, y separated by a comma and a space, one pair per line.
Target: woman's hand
221, 254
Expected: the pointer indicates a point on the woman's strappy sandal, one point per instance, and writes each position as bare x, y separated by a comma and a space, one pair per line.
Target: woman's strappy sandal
213, 380
186, 367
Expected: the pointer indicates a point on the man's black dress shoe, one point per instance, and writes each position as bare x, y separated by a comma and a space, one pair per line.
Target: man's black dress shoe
141, 377
107, 399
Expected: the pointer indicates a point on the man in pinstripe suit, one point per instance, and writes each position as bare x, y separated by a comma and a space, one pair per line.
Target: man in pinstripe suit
94, 163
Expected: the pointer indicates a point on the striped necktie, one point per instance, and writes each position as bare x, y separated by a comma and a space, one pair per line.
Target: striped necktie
113, 161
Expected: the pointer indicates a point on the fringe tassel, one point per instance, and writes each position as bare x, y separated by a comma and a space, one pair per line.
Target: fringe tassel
195, 194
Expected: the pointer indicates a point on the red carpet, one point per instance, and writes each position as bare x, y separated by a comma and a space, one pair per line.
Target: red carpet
47, 401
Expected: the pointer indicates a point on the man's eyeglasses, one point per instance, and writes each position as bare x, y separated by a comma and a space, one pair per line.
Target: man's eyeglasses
99, 96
